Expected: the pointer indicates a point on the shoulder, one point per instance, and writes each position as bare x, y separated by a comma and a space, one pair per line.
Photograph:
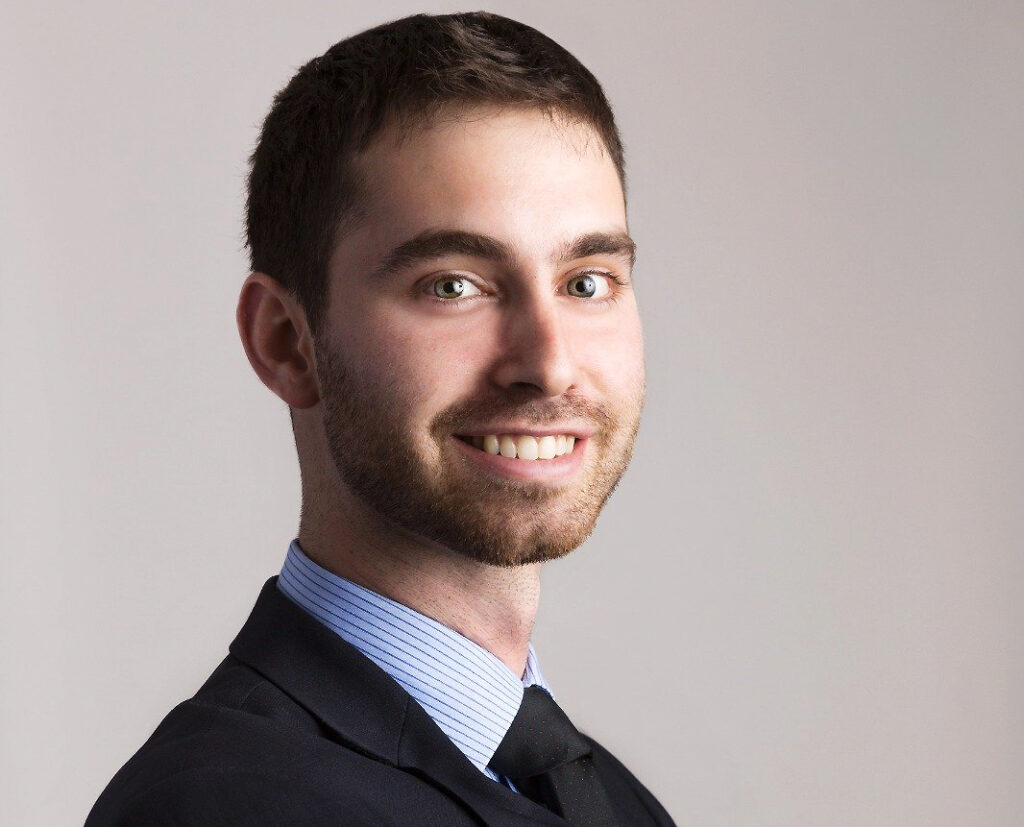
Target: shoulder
207, 796
242, 752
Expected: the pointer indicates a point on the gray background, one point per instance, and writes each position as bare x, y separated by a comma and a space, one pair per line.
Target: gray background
801, 607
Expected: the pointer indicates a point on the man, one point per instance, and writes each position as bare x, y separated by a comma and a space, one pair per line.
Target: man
441, 292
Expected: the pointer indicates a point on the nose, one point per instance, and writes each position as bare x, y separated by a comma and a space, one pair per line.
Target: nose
536, 350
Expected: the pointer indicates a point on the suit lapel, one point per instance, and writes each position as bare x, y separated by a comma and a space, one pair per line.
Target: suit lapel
365, 707
323, 674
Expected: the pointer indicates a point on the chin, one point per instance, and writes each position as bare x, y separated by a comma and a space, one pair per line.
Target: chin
494, 545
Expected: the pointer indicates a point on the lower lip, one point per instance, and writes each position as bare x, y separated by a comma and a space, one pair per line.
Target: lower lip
552, 471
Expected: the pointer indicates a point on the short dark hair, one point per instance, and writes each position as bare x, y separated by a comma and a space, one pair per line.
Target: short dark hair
301, 183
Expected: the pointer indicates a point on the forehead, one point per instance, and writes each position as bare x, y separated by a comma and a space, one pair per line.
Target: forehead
520, 175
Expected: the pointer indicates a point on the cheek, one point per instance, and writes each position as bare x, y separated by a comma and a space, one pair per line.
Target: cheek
423, 369
615, 359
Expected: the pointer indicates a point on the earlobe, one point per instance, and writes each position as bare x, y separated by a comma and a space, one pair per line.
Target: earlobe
277, 340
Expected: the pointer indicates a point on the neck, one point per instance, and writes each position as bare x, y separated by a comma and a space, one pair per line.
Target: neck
492, 606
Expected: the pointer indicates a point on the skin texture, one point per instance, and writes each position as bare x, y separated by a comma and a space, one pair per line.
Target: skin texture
391, 498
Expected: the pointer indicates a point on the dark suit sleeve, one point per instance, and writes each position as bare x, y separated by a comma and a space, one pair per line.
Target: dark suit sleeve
210, 766
211, 798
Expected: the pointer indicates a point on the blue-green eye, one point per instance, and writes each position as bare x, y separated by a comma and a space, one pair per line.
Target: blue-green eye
453, 287
588, 286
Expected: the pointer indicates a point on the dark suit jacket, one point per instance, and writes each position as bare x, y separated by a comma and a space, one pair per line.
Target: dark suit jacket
296, 727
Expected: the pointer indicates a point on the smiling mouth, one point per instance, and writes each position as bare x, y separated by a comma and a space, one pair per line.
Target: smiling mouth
523, 446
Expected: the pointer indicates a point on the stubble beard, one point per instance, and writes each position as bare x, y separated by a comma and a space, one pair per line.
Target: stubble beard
442, 497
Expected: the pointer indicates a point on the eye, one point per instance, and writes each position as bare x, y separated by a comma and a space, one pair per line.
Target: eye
589, 286
453, 287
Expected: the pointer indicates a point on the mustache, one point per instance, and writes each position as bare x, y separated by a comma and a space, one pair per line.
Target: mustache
575, 408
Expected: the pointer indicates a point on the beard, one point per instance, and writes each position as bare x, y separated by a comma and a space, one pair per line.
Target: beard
420, 484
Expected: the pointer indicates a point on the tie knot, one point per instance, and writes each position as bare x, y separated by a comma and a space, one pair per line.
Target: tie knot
540, 738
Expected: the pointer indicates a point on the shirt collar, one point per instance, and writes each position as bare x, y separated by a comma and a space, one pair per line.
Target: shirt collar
467, 691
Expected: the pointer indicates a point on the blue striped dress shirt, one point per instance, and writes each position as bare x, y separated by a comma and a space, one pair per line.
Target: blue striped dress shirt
468, 692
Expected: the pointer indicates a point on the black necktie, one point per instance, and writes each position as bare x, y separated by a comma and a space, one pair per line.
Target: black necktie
548, 760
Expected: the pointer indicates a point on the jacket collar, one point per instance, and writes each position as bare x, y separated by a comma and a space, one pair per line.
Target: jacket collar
364, 707
481, 695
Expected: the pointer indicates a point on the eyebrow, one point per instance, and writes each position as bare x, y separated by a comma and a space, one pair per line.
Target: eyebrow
600, 244
433, 244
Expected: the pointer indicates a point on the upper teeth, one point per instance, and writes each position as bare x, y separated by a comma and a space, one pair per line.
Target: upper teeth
524, 446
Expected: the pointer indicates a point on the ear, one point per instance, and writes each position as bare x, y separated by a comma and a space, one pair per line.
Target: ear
277, 340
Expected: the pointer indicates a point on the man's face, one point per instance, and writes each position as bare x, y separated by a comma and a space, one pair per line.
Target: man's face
483, 304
